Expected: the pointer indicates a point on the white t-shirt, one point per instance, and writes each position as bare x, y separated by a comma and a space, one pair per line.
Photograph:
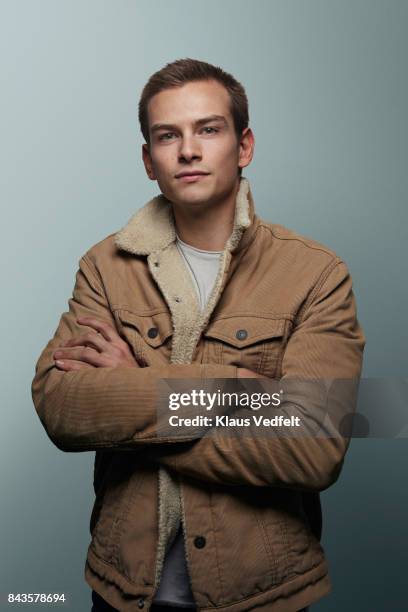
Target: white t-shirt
203, 267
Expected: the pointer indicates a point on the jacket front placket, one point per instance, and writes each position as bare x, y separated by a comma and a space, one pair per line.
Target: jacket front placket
175, 283
171, 275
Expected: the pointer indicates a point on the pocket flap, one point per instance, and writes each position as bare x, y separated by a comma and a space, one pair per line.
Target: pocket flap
241, 331
155, 328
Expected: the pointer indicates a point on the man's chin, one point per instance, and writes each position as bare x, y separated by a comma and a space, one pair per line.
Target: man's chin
194, 195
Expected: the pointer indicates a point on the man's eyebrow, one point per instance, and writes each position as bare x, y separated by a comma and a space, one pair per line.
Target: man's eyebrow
169, 126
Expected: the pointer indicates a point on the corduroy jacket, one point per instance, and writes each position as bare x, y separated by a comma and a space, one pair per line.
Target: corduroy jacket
249, 508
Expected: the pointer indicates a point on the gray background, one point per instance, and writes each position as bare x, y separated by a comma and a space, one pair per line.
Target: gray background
327, 86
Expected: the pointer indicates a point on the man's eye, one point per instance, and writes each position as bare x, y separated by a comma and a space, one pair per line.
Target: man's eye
162, 137
168, 135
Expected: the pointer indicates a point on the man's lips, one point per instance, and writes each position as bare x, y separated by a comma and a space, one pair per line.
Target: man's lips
192, 178
191, 173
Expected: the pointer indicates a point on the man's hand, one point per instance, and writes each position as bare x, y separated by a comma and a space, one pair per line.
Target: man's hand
245, 373
102, 348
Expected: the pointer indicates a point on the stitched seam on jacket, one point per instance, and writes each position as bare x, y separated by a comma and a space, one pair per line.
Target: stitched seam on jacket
90, 265
115, 569
252, 340
220, 356
253, 313
297, 239
273, 562
285, 547
262, 360
279, 362
274, 588
141, 313
118, 523
253, 595
216, 548
319, 283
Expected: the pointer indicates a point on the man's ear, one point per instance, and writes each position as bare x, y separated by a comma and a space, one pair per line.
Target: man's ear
246, 148
147, 160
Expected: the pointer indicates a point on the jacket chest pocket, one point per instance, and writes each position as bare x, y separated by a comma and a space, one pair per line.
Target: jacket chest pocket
255, 343
149, 335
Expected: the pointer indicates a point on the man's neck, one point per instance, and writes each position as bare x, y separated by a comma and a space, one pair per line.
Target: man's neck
207, 227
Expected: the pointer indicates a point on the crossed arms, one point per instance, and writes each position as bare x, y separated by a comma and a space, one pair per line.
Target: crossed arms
99, 397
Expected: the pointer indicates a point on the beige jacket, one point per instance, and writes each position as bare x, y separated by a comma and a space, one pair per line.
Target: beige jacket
249, 508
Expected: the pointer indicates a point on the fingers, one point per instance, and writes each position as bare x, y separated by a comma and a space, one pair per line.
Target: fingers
70, 365
108, 332
92, 339
100, 348
245, 373
81, 353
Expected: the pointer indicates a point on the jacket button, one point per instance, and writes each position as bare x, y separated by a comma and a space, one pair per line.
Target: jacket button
241, 334
152, 333
199, 542
140, 602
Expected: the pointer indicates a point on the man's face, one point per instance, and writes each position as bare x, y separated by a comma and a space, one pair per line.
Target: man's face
191, 129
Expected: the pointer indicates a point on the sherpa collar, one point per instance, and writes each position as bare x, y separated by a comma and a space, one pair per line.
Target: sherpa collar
152, 228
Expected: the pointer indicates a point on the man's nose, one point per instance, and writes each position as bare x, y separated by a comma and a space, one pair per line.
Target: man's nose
189, 148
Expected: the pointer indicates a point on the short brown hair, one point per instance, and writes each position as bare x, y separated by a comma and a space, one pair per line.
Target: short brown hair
182, 71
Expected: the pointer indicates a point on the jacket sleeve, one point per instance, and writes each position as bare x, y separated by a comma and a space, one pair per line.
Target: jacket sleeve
326, 345
104, 408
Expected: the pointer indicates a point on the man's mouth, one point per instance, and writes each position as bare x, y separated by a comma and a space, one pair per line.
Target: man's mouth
190, 177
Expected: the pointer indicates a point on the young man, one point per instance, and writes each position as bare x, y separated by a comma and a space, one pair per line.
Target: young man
196, 286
